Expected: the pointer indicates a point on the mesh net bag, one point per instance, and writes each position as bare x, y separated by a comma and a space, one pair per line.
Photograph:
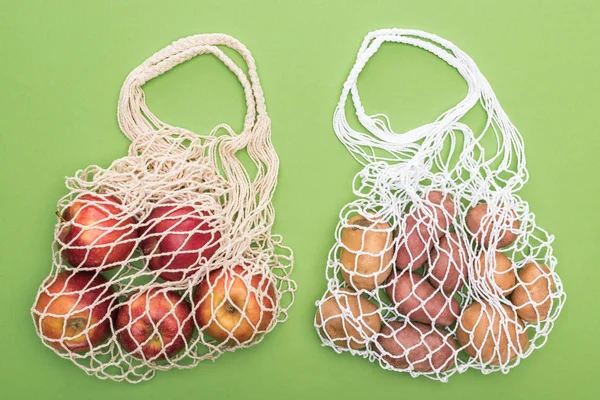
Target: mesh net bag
166, 257
438, 265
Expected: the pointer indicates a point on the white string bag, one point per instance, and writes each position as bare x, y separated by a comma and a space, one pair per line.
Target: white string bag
166, 258
438, 264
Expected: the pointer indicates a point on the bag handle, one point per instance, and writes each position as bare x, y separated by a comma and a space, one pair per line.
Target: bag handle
404, 146
133, 113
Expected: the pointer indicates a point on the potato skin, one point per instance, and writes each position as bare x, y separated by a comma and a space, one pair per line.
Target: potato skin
417, 238
481, 224
415, 243
503, 276
366, 271
343, 331
531, 296
445, 202
489, 334
415, 298
448, 269
421, 346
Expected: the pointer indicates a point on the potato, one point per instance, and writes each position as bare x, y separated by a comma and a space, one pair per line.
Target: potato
448, 267
489, 227
416, 239
444, 206
503, 272
421, 347
345, 331
416, 299
483, 330
367, 253
531, 296
414, 245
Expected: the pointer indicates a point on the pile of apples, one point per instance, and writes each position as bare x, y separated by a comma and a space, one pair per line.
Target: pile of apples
79, 309
417, 295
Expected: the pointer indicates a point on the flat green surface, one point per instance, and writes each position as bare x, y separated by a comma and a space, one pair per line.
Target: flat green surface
61, 70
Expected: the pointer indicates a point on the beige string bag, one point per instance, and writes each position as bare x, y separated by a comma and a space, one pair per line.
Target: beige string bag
438, 266
166, 257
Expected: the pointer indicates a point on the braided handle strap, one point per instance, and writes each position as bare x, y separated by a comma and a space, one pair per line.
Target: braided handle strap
133, 113
405, 146
249, 198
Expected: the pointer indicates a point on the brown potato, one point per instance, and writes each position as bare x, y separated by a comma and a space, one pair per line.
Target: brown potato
367, 256
483, 330
425, 349
416, 299
448, 267
348, 332
531, 296
484, 226
417, 238
503, 272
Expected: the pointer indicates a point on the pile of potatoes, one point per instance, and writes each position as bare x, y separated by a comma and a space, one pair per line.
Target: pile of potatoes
417, 296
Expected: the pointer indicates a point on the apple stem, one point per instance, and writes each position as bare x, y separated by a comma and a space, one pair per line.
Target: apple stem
155, 338
59, 215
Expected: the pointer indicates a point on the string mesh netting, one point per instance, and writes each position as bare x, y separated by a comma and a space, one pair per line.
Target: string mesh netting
166, 258
438, 265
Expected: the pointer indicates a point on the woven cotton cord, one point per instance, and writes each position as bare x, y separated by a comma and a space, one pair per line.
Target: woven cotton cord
403, 146
197, 178
134, 115
402, 176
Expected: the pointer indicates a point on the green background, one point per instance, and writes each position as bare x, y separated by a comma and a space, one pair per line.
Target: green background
61, 70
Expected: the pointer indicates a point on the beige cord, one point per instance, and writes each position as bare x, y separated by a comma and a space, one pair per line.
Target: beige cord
172, 165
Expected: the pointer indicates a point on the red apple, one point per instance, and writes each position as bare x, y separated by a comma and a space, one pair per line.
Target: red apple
72, 312
178, 238
97, 233
154, 324
233, 305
